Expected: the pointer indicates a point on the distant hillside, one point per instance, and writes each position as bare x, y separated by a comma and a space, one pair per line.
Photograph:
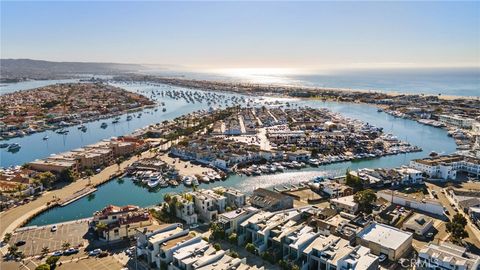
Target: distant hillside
22, 69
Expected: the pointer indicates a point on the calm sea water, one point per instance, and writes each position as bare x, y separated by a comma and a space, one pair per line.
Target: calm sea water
114, 192
452, 81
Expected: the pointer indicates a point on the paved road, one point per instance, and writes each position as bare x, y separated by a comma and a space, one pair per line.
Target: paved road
473, 232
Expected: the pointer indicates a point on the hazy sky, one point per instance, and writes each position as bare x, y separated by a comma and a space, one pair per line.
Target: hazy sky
245, 34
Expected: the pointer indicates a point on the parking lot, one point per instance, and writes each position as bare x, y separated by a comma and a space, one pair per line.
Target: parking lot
105, 263
41, 237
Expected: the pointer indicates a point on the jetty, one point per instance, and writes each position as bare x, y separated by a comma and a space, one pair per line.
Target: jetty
76, 196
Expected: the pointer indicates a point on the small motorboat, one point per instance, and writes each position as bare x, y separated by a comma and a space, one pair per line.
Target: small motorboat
14, 147
45, 138
104, 125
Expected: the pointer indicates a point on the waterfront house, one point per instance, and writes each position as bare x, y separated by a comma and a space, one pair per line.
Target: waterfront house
269, 200
234, 198
208, 204
119, 222
185, 209
446, 167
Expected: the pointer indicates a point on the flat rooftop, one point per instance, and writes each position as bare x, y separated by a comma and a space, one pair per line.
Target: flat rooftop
385, 235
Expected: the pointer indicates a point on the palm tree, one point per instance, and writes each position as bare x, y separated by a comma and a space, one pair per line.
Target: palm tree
118, 161
45, 251
66, 245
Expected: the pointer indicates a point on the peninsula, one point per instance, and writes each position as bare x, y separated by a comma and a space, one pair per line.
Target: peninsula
61, 105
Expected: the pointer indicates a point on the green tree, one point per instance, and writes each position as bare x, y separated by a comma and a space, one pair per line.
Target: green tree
233, 254
250, 248
46, 178
217, 246
232, 238
457, 227
52, 260
7, 237
217, 231
353, 181
365, 198
67, 176
89, 174
43, 267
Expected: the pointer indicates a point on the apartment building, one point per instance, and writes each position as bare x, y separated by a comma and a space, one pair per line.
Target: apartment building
202, 256
230, 221
456, 120
159, 246
446, 167
55, 165
185, 210
447, 256
208, 204
235, 198
409, 176
260, 228
332, 253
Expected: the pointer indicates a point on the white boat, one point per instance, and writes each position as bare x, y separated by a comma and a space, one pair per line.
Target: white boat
187, 181
153, 181
206, 179
45, 138
194, 180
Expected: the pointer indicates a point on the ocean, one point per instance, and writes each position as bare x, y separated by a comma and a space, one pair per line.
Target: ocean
438, 81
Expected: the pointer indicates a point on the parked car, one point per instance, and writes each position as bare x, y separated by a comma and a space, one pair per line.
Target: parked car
95, 252
57, 253
70, 251
382, 257
20, 243
103, 254
194, 225
54, 228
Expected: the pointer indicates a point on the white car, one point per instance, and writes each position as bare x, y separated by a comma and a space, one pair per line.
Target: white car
95, 252
54, 228
194, 225
382, 257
